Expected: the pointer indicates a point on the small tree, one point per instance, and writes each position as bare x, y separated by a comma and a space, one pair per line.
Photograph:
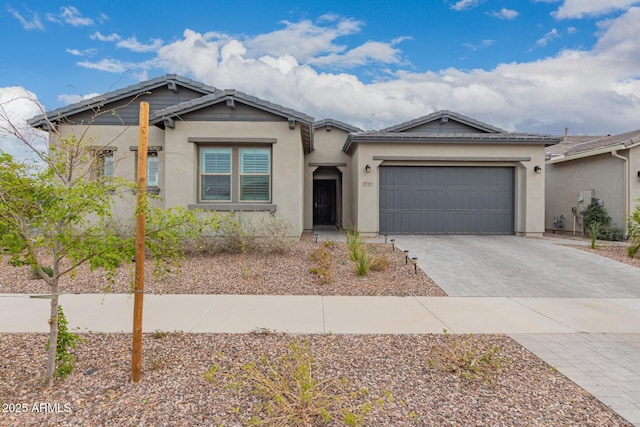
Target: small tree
54, 214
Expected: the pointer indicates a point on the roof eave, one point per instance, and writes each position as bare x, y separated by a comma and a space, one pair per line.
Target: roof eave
590, 153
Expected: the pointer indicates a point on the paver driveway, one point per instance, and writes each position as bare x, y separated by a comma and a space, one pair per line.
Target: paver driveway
516, 266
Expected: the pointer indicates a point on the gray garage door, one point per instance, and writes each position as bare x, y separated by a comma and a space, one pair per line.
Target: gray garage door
446, 200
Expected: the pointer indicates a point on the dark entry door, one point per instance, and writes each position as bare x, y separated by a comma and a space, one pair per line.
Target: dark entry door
324, 206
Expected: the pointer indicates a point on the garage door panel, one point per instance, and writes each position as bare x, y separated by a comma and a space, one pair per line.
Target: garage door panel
446, 200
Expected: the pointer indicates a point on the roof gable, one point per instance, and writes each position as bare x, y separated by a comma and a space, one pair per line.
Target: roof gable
443, 121
160, 92
327, 124
230, 104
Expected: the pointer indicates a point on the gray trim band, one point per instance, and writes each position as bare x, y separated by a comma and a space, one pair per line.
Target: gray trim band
452, 159
220, 140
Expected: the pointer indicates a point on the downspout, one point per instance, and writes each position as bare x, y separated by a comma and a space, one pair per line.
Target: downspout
615, 154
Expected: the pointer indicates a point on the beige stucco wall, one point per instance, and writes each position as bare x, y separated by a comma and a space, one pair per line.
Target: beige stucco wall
120, 139
529, 186
287, 186
603, 173
634, 179
328, 149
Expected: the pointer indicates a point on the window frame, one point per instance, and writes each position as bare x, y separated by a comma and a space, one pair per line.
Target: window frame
102, 165
242, 174
153, 151
235, 174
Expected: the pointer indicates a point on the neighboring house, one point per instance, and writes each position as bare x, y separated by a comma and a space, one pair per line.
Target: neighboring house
584, 167
223, 150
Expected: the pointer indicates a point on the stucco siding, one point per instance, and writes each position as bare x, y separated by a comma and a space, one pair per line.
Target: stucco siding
328, 151
529, 185
565, 180
286, 159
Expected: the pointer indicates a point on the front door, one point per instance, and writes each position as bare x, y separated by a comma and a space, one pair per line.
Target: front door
324, 194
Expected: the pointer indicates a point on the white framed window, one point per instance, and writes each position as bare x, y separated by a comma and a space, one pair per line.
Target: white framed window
255, 174
215, 174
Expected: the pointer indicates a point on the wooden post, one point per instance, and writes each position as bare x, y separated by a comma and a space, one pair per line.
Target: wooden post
136, 365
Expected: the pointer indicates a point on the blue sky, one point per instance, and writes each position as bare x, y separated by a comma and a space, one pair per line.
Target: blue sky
523, 65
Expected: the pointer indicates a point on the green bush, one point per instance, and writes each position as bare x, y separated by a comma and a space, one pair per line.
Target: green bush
633, 224
593, 215
66, 341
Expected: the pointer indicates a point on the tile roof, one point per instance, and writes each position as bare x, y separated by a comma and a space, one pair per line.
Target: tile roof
328, 123
159, 116
440, 114
96, 101
582, 145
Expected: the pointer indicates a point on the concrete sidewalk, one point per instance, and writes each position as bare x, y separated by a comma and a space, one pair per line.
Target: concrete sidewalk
329, 314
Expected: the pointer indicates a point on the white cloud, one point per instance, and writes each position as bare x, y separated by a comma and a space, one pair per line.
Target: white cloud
304, 40
85, 52
464, 4
72, 16
508, 14
71, 98
369, 52
581, 8
135, 46
483, 43
571, 89
109, 65
105, 38
28, 24
17, 105
551, 35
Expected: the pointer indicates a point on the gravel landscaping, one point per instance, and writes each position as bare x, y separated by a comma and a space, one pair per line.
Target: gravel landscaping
249, 274
403, 380
214, 379
618, 253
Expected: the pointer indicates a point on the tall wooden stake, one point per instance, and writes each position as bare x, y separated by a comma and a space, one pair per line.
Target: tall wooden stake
136, 365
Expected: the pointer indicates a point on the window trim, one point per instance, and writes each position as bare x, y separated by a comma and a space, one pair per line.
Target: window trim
155, 151
201, 174
243, 174
235, 174
100, 165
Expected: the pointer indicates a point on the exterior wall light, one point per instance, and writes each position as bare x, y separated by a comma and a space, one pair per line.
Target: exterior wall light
537, 169
367, 169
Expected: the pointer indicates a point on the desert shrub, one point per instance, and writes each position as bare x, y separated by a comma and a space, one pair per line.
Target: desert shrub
469, 357
232, 234
274, 234
363, 262
322, 264
380, 263
292, 393
354, 244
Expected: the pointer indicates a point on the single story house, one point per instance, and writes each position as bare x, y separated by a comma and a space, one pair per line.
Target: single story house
581, 168
224, 150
